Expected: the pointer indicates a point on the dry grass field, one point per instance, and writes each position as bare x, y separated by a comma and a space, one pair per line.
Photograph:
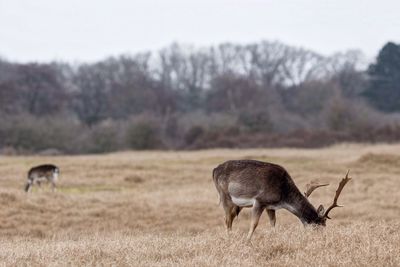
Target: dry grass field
161, 209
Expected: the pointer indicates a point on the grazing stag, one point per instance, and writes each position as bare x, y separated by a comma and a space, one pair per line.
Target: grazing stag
262, 185
42, 173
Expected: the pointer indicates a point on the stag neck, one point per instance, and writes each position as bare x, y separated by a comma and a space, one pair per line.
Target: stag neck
303, 209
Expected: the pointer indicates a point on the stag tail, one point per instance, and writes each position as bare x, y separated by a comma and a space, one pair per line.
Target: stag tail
215, 179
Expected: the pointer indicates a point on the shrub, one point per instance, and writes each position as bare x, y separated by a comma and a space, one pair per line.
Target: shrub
255, 120
143, 133
193, 134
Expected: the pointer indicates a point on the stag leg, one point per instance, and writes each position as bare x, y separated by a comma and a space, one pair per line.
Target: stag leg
28, 186
255, 217
237, 211
53, 186
272, 217
231, 211
228, 207
39, 184
228, 220
234, 213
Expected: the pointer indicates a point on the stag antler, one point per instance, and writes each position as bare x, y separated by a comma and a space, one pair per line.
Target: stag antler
338, 191
311, 187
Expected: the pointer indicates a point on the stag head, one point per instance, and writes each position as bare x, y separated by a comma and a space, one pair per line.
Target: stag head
322, 214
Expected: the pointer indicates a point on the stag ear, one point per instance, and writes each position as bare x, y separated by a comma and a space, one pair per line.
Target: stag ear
321, 211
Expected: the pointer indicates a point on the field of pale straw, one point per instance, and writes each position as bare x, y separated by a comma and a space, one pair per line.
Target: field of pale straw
161, 209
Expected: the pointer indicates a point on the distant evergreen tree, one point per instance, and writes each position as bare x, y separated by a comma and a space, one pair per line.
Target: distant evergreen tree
384, 88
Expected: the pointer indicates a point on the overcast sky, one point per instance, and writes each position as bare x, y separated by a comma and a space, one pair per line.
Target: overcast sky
88, 30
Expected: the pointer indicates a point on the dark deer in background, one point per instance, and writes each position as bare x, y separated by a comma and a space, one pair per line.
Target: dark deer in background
262, 185
42, 173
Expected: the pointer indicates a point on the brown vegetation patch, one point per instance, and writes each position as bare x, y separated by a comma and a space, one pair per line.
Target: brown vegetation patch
134, 179
6, 198
380, 159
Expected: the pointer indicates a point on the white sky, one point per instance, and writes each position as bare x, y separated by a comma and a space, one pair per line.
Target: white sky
88, 30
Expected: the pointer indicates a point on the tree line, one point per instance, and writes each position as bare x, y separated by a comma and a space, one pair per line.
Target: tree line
265, 94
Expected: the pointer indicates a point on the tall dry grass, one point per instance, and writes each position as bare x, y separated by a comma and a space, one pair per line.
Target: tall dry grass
160, 209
